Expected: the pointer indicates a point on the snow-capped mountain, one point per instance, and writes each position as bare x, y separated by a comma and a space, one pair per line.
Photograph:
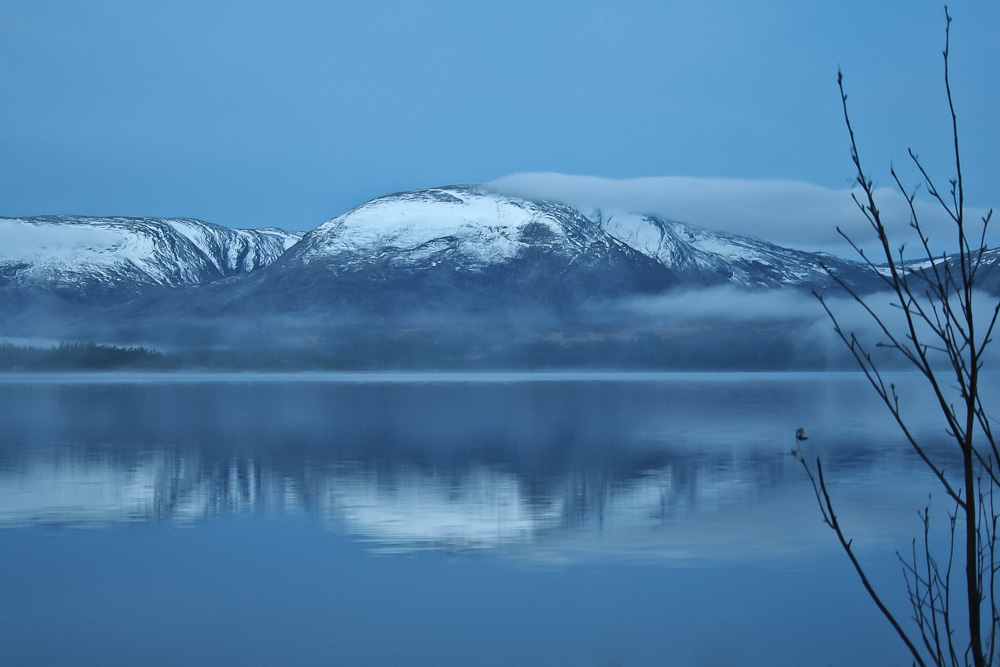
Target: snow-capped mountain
469, 248
460, 246
447, 277
464, 245
80, 255
452, 249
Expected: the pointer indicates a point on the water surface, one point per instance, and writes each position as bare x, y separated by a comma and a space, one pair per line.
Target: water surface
423, 519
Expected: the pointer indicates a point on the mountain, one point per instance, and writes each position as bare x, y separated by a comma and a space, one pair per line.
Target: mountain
449, 247
464, 247
453, 277
448, 277
83, 256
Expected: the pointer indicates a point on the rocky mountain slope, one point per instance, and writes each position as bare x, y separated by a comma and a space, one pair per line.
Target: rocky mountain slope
704, 258
84, 256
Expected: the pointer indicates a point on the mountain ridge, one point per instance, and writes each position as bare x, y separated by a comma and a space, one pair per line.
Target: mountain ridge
437, 268
78, 254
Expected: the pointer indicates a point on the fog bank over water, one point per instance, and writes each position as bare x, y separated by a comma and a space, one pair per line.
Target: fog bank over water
720, 328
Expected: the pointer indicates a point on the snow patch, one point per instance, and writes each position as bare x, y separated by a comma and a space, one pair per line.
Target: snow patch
23, 239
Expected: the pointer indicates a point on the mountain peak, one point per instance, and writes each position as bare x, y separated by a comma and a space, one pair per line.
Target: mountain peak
481, 227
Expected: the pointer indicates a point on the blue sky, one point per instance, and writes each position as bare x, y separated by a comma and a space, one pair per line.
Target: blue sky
250, 113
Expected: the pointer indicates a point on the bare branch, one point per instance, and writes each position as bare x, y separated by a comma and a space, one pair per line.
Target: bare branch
830, 518
936, 301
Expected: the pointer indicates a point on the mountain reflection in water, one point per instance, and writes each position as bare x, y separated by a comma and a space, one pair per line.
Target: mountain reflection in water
661, 467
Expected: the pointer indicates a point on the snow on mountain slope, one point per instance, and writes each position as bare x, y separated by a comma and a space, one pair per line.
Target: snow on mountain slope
699, 255
456, 224
472, 229
417, 225
469, 248
464, 244
80, 253
987, 275
453, 249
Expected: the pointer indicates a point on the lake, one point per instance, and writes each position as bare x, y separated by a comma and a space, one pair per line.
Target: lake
450, 519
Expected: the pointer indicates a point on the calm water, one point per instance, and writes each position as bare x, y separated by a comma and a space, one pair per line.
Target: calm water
447, 520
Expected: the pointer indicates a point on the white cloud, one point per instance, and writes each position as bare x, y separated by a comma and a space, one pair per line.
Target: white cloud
789, 213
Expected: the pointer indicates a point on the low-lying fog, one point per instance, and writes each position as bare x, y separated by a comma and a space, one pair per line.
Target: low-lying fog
718, 328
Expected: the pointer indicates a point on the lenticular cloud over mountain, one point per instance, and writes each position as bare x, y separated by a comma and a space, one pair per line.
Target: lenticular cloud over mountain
789, 213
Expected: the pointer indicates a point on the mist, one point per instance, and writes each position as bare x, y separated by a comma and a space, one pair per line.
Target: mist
720, 328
